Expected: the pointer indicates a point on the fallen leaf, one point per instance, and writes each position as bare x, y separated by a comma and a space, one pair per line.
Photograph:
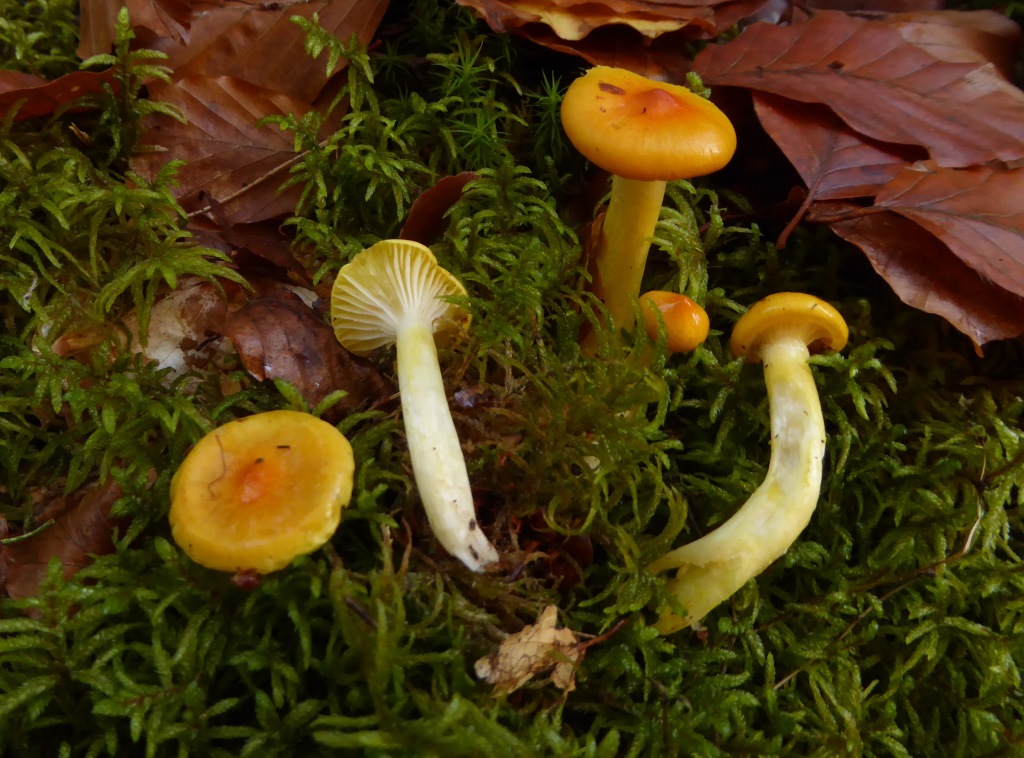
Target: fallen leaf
426, 220
228, 156
926, 275
42, 97
258, 42
833, 160
977, 212
879, 83
84, 530
878, 6
531, 651
645, 37
962, 36
281, 337
164, 18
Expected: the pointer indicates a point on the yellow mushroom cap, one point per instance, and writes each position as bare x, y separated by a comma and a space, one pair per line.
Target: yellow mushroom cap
641, 129
687, 323
255, 493
814, 321
386, 284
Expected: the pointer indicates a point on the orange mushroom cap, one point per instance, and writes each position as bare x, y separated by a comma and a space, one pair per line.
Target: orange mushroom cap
256, 493
641, 129
687, 323
814, 321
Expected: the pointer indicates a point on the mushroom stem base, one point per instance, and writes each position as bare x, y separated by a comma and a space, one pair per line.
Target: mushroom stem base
712, 568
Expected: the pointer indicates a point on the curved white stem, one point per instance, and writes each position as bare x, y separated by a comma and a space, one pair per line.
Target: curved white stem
713, 567
437, 460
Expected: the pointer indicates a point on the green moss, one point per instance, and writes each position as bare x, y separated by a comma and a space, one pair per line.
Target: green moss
894, 627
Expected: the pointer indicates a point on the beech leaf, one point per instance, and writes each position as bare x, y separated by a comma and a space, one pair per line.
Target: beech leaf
426, 219
83, 530
164, 18
42, 97
280, 337
260, 43
926, 275
238, 163
977, 212
879, 83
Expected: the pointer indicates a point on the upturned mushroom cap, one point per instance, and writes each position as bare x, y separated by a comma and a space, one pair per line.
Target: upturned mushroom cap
641, 129
687, 323
386, 284
257, 492
814, 321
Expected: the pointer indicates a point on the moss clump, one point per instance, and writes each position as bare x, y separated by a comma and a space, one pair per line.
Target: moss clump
892, 628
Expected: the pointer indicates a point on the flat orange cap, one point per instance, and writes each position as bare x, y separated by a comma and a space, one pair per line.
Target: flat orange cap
255, 493
641, 129
686, 322
807, 317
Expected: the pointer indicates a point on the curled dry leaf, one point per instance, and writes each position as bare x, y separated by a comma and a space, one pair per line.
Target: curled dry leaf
85, 529
645, 37
41, 97
533, 650
426, 220
281, 337
879, 83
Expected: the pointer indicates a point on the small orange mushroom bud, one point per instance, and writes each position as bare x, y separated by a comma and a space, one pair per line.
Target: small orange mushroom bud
686, 321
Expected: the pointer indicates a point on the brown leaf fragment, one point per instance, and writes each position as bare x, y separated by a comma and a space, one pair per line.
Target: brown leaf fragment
228, 156
280, 337
878, 83
165, 18
426, 220
926, 275
42, 97
83, 531
877, 6
834, 161
645, 37
533, 650
977, 212
258, 42
963, 36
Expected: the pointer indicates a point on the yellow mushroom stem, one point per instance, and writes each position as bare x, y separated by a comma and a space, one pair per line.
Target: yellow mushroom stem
621, 253
712, 568
434, 448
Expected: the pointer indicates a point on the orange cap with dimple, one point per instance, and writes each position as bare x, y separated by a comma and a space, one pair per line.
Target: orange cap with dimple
641, 129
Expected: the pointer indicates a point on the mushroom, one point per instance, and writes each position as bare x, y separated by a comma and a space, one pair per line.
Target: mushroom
686, 322
646, 133
257, 492
394, 293
780, 331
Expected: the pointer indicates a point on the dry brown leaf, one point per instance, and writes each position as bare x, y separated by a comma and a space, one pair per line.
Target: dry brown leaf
84, 530
927, 276
645, 37
426, 220
833, 160
228, 156
531, 651
164, 18
977, 212
879, 83
963, 37
42, 97
280, 337
259, 43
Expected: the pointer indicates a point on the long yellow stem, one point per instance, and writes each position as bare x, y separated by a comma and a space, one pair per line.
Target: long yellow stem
621, 252
712, 568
